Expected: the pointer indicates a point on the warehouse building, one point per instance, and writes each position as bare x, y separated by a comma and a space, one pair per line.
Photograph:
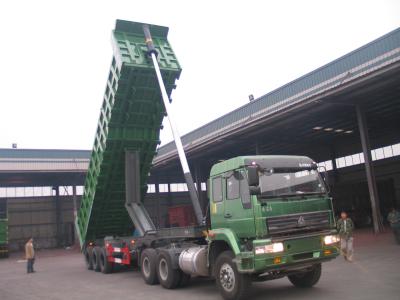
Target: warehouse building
40, 191
345, 115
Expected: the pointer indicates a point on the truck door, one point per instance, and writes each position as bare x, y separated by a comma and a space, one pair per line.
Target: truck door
217, 203
238, 210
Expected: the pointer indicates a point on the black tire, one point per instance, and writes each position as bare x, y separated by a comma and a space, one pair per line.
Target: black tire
231, 284
168, 277
306, 279
106, 267
148, 266
96, 258
88, 254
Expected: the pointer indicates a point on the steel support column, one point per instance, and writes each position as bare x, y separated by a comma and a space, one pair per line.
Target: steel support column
257, 148
334, 166
58, 216
74, 201
75, 205
371, 180
157, 200
169, 202
198, 179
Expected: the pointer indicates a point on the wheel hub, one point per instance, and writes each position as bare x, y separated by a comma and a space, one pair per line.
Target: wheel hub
227, 277
146, 267
163, 266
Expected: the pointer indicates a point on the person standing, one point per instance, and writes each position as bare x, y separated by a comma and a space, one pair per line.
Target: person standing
394, 220
30, 255
345, 228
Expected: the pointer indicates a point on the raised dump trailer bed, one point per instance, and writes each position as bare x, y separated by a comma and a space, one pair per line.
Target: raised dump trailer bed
130, 120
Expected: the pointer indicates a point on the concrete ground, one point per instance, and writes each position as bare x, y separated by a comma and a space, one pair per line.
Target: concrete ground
61, 275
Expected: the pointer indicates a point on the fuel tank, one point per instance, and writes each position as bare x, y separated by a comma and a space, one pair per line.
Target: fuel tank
193, 261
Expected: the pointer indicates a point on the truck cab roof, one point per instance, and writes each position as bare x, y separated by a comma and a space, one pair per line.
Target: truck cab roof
264, 161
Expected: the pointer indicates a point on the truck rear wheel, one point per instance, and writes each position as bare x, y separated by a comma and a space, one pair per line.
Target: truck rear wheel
306, 279
96, 258
88, 254
105, 266
148, 266
231, 284
168, 276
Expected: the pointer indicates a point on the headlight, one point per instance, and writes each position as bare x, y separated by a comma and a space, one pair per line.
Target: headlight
272, 248
331, 239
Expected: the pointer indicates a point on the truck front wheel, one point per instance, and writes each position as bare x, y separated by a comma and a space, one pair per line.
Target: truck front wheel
231, 284
148, 266
306, 279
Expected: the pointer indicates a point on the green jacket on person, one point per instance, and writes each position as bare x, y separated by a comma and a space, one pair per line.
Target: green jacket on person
345, 228
394, 219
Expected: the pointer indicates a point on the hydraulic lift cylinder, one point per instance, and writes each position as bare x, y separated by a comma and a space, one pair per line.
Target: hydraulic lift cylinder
178, 142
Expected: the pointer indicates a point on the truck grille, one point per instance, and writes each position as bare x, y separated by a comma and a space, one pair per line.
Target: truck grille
301, 222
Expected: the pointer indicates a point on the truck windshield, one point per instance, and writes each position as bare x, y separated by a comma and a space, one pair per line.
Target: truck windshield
277, 184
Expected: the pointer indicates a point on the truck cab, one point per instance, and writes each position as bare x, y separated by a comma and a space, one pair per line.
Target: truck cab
273, 213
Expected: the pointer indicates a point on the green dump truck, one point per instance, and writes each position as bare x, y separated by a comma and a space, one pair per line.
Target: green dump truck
3, 229
269, 216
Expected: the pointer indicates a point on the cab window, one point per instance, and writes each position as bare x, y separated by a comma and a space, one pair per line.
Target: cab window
237, 187
232, 186
217, 189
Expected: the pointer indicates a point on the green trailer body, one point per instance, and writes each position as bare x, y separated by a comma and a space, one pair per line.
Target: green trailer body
3, 229
130, 120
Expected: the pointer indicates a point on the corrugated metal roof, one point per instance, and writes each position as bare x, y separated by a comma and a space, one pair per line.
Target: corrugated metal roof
43, 160
360, 62
44, 165
44, 153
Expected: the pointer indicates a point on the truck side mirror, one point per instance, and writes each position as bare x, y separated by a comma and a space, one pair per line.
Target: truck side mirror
252, 174
325, 177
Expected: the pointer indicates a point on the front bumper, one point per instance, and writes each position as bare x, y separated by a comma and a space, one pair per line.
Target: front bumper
298, 252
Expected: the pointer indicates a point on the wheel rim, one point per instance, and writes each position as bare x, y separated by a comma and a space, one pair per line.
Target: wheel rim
146, 267
163, 268
227, 277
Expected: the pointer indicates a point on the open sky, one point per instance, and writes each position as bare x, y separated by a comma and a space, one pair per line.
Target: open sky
55, 56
